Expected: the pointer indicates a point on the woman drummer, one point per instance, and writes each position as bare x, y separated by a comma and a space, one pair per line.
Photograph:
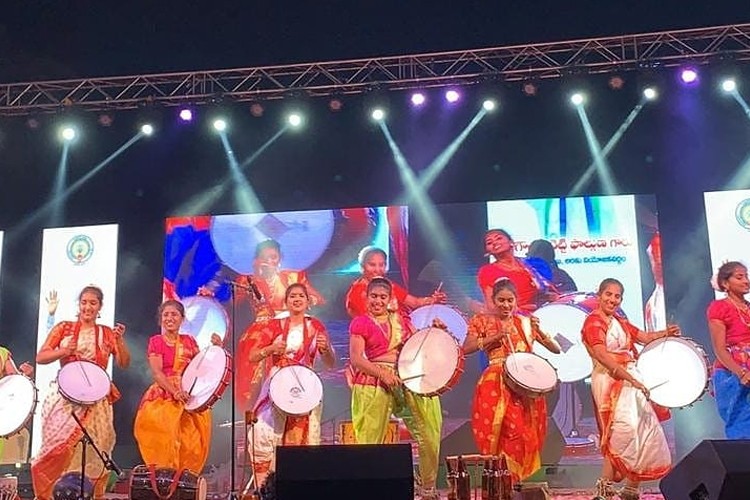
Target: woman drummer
82, 340
504, 422
632, 440
169, 436
372, 260
377, 391
295, 340
8, 367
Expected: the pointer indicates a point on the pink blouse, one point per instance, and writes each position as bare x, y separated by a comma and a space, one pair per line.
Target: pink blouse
157, 346
737, 329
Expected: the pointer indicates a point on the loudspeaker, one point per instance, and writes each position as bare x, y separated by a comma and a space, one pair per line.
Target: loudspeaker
360, 471
713, 470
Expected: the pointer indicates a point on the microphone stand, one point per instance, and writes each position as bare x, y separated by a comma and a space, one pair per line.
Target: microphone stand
107, 461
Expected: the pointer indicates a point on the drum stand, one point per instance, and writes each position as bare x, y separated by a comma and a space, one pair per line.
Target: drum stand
107, 461
573, 439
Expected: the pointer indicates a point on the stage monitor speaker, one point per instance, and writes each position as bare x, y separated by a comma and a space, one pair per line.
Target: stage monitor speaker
713, 470
345, 472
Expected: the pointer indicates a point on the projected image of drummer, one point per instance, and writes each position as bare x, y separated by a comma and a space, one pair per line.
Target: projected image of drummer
83, 387
373, 264
17, 403
509, 414
289, 408
171, 433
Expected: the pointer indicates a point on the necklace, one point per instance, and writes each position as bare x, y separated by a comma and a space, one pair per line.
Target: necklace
743, 312
386, 330
170, 340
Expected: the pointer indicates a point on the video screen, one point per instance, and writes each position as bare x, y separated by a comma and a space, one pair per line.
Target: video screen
728, 220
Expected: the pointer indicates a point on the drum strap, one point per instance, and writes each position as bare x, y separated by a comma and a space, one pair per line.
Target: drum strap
172, 487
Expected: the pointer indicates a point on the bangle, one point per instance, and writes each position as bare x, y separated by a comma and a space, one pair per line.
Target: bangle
480, 343
263, 353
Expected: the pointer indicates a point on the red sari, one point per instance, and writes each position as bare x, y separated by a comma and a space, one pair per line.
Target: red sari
502, 421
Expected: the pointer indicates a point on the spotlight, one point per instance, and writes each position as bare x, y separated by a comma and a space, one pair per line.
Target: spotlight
650, 93
418, 98
489, 104
220, 125
577, 99
256, 109
529, 89
616, 82
147, 129
335, 104
452, 96
68, 133
294, 119
729, 85
689, 76
378, 114
186, 115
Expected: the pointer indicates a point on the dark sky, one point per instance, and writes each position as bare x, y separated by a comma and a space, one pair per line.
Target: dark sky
65, 39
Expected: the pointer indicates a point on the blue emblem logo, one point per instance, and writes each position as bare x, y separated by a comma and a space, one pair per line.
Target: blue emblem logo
80, 249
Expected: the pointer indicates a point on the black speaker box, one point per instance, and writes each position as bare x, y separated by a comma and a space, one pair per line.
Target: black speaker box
713, 470
360, 471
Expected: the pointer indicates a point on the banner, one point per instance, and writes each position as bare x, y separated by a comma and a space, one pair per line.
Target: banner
728, 220
72, 258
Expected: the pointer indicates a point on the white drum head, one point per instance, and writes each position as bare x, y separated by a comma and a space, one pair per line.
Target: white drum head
296, 390
531, 371
204, 316
17, 403
83, 382
563, 322
428, 360
203, 375
422, 317
675, 370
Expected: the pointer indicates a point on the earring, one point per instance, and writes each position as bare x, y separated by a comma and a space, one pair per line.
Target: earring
98, 315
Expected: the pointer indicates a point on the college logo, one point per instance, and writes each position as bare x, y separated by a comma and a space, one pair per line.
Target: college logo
742, 213
80, 249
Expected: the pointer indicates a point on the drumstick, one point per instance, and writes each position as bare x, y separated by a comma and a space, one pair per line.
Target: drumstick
657, 385
198, 366
412, 377
85, 375
298, 380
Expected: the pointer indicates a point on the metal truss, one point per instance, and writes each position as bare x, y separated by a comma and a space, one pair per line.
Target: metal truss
513, 63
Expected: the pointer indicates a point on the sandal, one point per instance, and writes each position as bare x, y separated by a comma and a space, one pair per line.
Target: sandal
629, 493
604, 490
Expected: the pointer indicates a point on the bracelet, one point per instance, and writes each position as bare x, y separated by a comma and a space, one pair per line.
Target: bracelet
480, 343
263, 353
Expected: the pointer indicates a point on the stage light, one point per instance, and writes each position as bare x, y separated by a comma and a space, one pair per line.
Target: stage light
256, 109
689, 76
452, 96
378, 114
418, 98
147, 129
186, 115
529, 89
729, 85
68, 133
577, 99
294, 119
650, 93
489, 104
220, 125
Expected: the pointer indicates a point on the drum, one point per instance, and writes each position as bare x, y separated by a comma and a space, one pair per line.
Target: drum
206, 378
675, 370
430, 362
203, 317
148, 483
8, 488
68, 487
422, 317
562, 320
295, 390
18, 398
83, 382
529, 374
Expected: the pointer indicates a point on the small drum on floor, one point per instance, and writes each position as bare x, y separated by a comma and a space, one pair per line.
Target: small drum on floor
422, 317
83, 382
206, 378
150, 483
18, 398
68, 487
675, 370
530, 375
430, 362
8, 488
296, 390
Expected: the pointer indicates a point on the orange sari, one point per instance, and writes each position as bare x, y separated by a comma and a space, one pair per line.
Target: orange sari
167, 435
502, 421
274, 427
61, 448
